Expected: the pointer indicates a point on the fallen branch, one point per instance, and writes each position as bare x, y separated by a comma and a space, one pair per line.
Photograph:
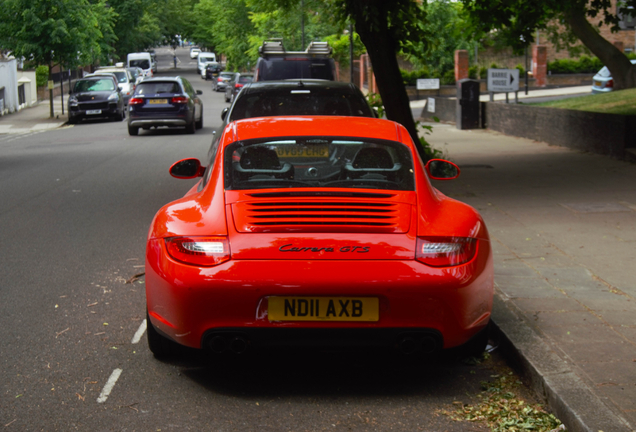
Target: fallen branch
135, 277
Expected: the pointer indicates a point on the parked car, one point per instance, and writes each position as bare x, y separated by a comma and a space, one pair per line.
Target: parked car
211, 70
153, 62
165, 101
125, 80
296, 97
96, 96
317, 231
194, 52
221, 81
202, 60
276, 63
236, 84
603, 81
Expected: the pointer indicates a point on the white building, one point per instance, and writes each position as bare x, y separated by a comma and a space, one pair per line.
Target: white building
18, 89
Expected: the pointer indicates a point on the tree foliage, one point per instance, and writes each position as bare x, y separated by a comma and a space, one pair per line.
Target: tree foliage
517, 20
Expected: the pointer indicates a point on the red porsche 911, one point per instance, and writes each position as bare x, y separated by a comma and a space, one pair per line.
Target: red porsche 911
317, 232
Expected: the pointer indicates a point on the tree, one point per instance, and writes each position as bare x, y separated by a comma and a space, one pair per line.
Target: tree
55, 32
517, 20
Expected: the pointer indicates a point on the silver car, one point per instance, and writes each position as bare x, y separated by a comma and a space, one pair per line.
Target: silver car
219, 83
603, 81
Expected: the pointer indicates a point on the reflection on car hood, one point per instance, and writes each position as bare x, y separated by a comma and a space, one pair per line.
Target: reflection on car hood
89, 96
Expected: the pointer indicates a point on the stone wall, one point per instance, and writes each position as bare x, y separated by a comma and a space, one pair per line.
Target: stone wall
608, 134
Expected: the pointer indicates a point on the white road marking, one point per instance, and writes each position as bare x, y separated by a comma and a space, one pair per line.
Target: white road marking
140, 332
103, 396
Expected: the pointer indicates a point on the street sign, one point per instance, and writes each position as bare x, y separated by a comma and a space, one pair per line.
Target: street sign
503, 80
428, 84
430, 105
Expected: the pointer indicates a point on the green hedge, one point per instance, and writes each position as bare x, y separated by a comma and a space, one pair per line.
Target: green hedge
41, 75
584, 64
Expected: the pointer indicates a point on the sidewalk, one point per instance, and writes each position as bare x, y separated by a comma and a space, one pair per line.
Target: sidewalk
563, 228
35, 118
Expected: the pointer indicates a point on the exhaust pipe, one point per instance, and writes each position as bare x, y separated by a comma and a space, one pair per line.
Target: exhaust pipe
218, 344
408, 345
238, 345
429, 344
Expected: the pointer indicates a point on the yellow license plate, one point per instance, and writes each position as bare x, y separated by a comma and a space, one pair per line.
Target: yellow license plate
598, 83
157, 101
323, 309
318, 151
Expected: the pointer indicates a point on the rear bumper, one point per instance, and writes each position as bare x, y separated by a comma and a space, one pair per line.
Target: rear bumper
157, 122
190, 304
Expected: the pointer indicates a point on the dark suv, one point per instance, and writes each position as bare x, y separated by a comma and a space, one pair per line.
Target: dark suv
276, 63
96, 96
165, 101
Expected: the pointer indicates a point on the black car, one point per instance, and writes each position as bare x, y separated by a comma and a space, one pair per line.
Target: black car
165, 101
94, 97
212, 70
236, 84
298, 97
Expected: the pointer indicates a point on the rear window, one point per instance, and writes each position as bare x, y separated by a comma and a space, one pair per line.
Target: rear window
204, 59
105, 84
148, 88
299, 102
121, 76
142, 63
290, 68
244, 79
303, 162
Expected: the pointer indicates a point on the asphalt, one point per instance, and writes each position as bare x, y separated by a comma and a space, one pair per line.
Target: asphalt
563, 228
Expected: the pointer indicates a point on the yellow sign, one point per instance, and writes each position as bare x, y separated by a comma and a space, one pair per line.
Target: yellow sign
323, 309
50, 85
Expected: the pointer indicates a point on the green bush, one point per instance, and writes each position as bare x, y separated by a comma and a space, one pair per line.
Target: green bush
522, 70
483, 72
584, 64
41, 75
410, 78
473, 72
448, 78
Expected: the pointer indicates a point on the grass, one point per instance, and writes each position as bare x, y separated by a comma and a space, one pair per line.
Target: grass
615, 102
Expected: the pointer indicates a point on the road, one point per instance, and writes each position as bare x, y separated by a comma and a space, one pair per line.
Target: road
76, 206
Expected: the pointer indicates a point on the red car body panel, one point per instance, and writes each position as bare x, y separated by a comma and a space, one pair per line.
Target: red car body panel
186, 301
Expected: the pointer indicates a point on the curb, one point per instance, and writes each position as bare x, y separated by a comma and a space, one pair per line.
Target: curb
551, 377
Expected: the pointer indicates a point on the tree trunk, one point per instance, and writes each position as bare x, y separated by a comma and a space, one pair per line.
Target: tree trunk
382, 49
623, 71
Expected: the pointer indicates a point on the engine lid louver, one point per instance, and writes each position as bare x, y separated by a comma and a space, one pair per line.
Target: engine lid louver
318, 214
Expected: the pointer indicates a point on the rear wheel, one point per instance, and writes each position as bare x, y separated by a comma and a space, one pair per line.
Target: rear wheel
159, 345
133, 130
199, 123
191, 128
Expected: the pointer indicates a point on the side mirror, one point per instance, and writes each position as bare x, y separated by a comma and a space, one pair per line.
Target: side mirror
199, 92
440, 169
187, 169
224, 113
119, 88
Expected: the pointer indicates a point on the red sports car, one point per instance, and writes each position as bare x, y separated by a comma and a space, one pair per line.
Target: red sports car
317, 231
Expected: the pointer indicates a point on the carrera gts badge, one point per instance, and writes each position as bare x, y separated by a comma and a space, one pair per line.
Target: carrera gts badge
356, 249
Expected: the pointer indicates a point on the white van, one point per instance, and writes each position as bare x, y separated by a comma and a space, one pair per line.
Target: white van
142, 60
202, 59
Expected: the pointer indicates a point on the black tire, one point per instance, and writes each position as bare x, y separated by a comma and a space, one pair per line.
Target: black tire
199, 123
133, 131
191, 128
159, 345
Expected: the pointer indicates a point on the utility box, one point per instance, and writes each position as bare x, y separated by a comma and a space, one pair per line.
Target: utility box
468, 104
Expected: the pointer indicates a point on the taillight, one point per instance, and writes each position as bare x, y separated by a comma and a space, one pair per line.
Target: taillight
179, 100
610, 83
199, 251
238, 85
445, 251
135, 101
219, 79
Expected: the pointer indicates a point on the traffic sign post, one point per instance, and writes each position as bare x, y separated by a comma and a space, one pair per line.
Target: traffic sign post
503, 81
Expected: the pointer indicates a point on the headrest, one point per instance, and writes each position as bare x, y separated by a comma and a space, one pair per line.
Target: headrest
372, 157
259, 158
